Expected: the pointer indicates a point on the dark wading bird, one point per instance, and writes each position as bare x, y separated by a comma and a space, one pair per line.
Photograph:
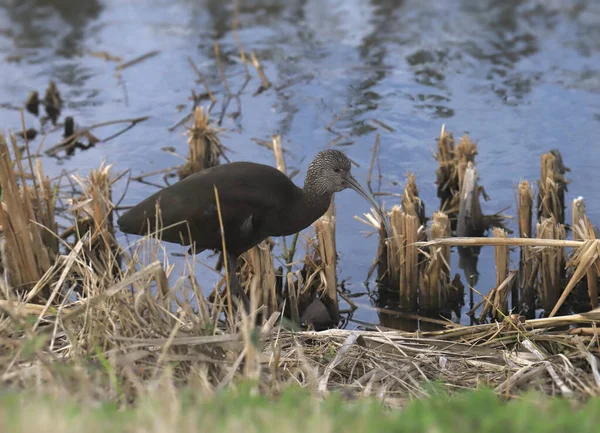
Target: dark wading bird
256, 201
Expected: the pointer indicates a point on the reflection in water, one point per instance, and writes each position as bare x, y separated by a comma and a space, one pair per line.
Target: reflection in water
33, 22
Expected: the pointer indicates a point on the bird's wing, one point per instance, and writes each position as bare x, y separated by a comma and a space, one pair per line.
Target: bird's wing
244, 199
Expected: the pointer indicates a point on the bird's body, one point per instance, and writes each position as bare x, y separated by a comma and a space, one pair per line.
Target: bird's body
256, 201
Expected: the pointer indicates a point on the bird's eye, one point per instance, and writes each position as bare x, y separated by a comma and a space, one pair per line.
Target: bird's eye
337, 170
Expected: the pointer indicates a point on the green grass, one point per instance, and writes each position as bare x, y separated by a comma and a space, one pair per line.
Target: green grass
296, 411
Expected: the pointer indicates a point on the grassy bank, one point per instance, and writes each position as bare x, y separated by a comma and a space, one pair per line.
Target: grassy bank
296, 411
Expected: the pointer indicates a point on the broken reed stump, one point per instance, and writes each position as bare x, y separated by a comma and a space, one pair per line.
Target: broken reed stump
583, 230
327, 251
552, 187
434, 290
93, 213
470, 220
502, 289
411, 203
402, 258
453, 161
551, 264
527, 268
257, 276
446, 179
27, 220
205, 147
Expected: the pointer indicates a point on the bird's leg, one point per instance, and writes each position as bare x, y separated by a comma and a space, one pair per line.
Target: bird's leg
234, 283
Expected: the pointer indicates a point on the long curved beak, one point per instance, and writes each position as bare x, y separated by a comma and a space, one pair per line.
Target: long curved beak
353, 183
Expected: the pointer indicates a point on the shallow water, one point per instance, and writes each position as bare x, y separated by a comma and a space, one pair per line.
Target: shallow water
521, 77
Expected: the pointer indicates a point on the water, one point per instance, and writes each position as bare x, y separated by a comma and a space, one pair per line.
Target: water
521, 77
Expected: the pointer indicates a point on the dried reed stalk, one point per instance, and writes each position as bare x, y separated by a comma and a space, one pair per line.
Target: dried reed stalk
205, 147
325, 231
465, 155
526, 262
446, 179
502, 260
260, 276
266, 84
93, 212
435, 285
551, 262
411, 203
453, 163
582, 230
26, 216
470, 221
552, 187
278, 153
403, 257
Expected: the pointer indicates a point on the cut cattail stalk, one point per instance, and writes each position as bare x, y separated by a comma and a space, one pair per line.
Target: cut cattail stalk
582, 230
205, 147
403, 257
470, 217
447, 181
293, 298
325, 231
502, 260
552, 187
411, 203
433, 293
551, 263
260, 273
526, 262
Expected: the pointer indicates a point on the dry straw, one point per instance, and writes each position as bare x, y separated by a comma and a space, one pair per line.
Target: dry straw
27, 217
205, 147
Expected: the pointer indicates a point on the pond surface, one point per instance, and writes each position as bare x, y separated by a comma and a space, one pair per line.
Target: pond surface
520, 77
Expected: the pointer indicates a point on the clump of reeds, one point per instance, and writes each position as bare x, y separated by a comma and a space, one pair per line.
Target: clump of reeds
453, 162
552, 187
402, 257
27, 218
205, 147
93, 213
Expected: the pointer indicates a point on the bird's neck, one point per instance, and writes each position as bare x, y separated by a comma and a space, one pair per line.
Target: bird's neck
316, 199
